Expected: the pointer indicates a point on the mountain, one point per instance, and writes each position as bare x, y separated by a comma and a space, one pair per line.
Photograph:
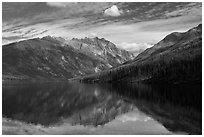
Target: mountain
103, 48
175, 59
175, 39
57, 58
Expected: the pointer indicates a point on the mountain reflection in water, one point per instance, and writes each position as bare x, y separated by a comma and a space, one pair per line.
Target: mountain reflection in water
178, 108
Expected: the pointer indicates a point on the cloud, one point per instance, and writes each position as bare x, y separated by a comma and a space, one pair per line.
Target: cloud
112, 11
135, 46
135, 115
92, 34
60, 4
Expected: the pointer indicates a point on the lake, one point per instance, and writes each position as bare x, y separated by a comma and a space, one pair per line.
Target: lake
77, 108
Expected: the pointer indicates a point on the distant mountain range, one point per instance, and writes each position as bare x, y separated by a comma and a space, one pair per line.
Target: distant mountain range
175, 59
57, 58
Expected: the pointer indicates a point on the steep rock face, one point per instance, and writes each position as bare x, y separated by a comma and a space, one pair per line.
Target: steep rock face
56, 58
101, 48
175, 59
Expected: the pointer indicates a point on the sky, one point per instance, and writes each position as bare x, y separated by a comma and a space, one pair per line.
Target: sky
133, 26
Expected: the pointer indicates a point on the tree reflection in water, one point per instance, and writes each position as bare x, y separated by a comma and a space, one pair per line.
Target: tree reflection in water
177, 107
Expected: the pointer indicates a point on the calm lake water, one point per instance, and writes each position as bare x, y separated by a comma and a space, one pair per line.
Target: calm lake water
108, 108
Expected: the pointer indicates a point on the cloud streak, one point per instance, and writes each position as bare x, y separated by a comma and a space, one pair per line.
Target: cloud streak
60, 4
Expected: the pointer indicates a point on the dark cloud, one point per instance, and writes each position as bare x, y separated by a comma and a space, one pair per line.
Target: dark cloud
24, 10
